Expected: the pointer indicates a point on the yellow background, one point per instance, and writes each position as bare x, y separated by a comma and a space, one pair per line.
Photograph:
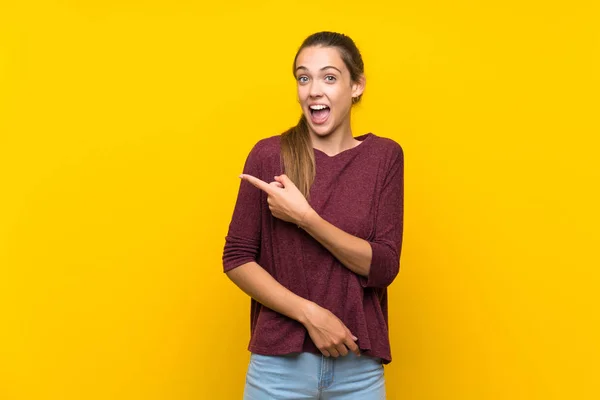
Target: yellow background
124, 125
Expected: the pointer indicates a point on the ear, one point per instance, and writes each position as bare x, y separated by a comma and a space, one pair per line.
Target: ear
359, 87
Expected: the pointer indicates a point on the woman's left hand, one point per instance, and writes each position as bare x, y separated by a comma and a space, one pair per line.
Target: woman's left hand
286, 202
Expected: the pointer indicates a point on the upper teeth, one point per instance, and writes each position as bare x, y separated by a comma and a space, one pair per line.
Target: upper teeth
318, 107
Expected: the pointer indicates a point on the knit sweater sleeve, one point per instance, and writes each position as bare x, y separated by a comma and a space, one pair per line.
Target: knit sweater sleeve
242, 243
387, 243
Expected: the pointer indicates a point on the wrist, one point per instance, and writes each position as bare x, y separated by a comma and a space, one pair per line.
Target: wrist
304, 311
308, 218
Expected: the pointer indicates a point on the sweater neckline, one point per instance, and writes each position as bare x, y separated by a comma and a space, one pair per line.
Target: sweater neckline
365, 138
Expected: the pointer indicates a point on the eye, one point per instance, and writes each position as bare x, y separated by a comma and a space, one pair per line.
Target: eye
330, 78
302, 79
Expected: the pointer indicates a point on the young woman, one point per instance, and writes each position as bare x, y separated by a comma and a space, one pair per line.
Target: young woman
315, 239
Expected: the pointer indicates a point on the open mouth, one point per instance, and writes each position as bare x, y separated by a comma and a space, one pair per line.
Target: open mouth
319, 113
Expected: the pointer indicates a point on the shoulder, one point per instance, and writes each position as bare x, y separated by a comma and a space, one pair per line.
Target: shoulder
265, 151
390, 156
266, 147
388, 148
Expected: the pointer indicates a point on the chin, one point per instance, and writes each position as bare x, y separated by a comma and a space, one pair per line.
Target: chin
321, 130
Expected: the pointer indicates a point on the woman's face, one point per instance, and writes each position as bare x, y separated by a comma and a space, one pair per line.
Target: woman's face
325, 89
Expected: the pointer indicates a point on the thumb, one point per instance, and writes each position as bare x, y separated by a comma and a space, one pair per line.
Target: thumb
283, 178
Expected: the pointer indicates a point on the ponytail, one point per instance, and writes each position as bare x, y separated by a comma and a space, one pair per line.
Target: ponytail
298, 157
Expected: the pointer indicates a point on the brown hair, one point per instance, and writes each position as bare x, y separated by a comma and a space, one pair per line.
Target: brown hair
297, 155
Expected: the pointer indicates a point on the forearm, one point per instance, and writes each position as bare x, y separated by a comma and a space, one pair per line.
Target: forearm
353, 252
261, 286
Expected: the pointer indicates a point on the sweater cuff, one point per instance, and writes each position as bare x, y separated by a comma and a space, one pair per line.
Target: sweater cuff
383, 269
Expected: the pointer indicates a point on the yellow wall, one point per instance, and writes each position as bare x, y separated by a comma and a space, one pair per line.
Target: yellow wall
124, 125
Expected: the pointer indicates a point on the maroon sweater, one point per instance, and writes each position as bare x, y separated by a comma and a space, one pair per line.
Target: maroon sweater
360, 191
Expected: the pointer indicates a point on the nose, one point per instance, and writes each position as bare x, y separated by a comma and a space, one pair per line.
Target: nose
315, 89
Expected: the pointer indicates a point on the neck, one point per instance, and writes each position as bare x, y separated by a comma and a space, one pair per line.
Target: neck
337, 141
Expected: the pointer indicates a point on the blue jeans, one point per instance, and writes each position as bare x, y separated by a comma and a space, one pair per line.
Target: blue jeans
313, 376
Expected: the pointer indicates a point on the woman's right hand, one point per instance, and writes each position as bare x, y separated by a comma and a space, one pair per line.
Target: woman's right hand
328, 332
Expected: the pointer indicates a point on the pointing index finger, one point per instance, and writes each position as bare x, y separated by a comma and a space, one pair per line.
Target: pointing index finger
257, 182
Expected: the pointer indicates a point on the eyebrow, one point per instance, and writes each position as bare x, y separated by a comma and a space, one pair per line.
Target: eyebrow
322, 69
